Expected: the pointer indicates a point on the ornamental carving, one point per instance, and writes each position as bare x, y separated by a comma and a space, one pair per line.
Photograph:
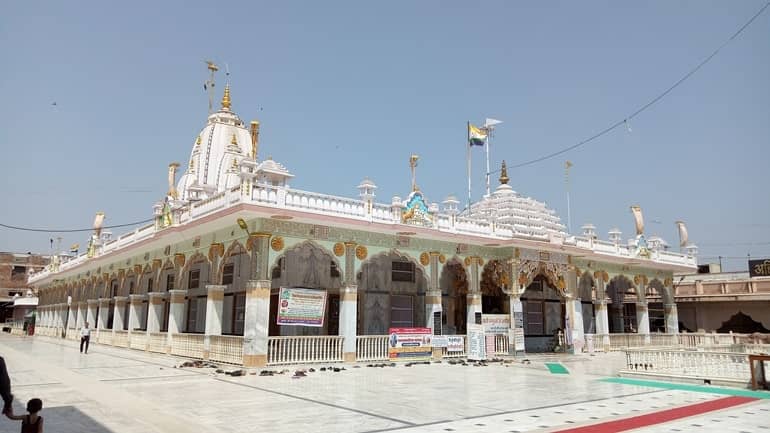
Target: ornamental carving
602, 275
361, 252
339, 249
424, 259
442, 259
668, 282
179, 260
277, 243
640, 279
156, 263
216, 249
137, 269
467, 261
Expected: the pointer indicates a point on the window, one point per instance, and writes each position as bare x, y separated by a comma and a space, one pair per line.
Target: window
227, 273
192, 313
535, 325
276, 273
166, 310
402, 271
114, 290
401, 311
149, 285
131, 288
195, 279
170, 282
239, 313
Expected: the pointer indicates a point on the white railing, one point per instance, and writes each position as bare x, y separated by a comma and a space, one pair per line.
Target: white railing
156, 342
622, 341
372, 348
501, 345
324, 203
104, 336
304, 350
138, 340
692, 364
120, 338
461, 354
226, 348
187, 345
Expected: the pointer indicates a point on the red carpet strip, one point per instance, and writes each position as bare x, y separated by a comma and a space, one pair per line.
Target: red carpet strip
660, 417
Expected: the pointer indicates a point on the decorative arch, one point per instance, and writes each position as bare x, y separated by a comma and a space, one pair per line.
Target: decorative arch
586, 288
236, 248
185, 271
453, 282
305, 255
552, 272
657, 288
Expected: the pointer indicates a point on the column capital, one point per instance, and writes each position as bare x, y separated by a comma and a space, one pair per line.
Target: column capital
349, 293
215, 292
92, 302
103, 302
350, 244
137, 299
120, 300
177, 296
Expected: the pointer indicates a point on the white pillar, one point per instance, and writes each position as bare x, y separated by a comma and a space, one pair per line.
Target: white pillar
348, 321
516, 313
214, 300
672, 318
474, 306
91, 312
135, 311
602, 322
474, 289
81, 314
71, 311
574, 310
256, 323
117, 317
104, 315
176, 311
643, 320
155, 312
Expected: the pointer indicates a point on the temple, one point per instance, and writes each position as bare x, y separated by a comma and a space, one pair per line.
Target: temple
231, 232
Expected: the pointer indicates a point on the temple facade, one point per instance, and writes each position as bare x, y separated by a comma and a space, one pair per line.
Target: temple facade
231, 232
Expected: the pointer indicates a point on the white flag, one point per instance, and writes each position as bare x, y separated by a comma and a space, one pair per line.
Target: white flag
683, 239
491, 122
637, 211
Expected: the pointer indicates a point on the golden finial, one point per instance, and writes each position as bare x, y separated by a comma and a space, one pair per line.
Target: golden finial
226, 98
234, 140
254, 138
198, 140
504, 175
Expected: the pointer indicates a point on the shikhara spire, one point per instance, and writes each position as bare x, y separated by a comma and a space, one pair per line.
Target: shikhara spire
504, 175
226, 98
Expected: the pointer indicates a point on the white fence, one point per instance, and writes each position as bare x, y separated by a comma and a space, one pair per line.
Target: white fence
372, 348
689, 364
304, 350
226, 348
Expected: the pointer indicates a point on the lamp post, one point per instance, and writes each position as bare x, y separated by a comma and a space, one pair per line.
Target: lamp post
66, 317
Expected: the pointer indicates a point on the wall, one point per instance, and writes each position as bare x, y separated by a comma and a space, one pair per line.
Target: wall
709, 316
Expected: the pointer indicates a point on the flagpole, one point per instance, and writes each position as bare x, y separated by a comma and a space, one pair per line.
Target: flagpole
567, 165
468, 148
489, 132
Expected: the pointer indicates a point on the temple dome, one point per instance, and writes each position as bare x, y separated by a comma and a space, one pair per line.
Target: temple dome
525, 216
216, 155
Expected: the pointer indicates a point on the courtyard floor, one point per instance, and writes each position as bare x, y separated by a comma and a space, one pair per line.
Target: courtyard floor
127, 391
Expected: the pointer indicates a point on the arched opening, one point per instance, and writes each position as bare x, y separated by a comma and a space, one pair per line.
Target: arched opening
234, 273
307, 265
493, 277
391, 293
544, 312
195, 277
655, 291
586, 293
167, 282
454, 297
622, 314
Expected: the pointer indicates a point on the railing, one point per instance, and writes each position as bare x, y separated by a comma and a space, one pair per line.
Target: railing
156, 342
226, 348
187, 345
120, 338
501, 345
461, 354
691, 364
372, 348
138, 340
304, 350
104, 336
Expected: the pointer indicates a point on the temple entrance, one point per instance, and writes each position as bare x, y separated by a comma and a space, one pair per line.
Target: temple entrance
544, 312
622, 314
454, 297
493, 278
306, 265
391, 293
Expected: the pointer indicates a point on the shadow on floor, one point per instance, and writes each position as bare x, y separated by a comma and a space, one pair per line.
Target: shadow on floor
60, 419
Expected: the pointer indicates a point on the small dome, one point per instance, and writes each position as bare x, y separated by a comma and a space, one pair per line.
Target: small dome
366, 183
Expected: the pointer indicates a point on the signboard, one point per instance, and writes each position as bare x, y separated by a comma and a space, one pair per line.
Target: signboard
437, 323
489, 341
496, 323
455, 343
517, 335
440, 341
410, 344
301, 307
476, 343
759, 268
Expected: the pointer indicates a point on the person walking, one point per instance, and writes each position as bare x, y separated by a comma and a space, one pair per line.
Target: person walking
85, 337
32, 422
5, 387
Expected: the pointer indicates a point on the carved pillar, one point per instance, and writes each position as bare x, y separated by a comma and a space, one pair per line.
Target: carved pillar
135, 310
348, 305
600, 304
176, 312
515, 308
91, 312
433, 295
574, 310
154, 312
81, 314
117, 317
257, 315
214, 300
642, 312
104, 315
474, 288
672, 318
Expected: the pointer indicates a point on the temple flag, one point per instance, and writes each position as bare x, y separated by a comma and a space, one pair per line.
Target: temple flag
683, 239
476, 136
637, 211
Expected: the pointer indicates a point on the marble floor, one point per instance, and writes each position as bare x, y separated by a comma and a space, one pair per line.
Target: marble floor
126, 391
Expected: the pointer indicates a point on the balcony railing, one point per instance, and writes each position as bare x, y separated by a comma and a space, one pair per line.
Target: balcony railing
304, 350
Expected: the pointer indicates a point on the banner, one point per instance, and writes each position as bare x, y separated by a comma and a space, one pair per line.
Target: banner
301, 307
759, 268
517, 335
497, 324
410, 344
476, 343
455, 344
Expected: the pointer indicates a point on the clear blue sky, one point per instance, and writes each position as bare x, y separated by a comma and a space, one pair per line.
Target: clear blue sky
350, 89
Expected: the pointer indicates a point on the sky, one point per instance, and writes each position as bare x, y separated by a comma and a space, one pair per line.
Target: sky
347, 90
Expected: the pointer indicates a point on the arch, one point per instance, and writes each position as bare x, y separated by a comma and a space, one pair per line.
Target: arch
385, 301
453, 282
621, 319
144, 285
235, 249
195, 259
656, 288
544, 310
493, 278
586, 289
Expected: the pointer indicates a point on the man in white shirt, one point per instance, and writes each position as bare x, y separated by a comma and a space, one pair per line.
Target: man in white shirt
85, 337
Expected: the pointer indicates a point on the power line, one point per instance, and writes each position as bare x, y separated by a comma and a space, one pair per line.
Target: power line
28, 229
644, 107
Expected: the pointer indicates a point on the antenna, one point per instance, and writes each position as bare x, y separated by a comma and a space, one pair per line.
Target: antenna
209, 84
227, 73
